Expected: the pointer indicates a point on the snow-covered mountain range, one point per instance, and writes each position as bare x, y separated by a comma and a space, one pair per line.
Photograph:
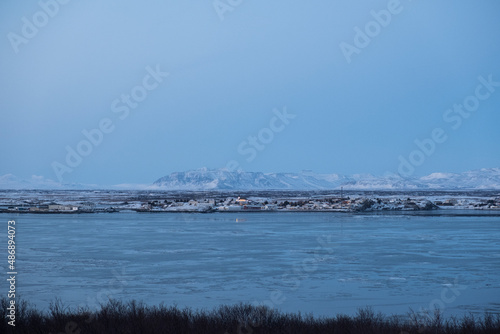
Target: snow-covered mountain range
10, 181
222, 179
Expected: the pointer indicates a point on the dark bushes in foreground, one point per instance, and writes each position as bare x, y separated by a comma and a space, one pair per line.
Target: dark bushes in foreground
118, 317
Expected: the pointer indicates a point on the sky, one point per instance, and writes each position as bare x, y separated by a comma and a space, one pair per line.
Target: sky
109, 92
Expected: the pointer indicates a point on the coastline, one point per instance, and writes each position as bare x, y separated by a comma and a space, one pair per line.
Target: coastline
373, 202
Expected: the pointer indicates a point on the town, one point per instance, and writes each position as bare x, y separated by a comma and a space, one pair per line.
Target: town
73, 202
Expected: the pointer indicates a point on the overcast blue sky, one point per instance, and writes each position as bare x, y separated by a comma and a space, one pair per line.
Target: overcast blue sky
358, 100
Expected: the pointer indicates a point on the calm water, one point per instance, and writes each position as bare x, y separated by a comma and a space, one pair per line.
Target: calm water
322, 263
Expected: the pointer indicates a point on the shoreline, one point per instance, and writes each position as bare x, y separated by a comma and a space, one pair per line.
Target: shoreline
373, 202
427, 213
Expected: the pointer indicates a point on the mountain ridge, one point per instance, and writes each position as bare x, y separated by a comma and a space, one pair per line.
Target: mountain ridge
204, 179
222, 179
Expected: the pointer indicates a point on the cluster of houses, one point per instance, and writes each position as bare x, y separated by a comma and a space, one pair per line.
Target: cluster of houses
340, 204
50, 208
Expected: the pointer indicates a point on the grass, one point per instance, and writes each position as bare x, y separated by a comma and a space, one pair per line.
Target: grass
134, 317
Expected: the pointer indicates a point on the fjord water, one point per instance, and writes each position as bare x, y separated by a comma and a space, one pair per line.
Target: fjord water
320, 263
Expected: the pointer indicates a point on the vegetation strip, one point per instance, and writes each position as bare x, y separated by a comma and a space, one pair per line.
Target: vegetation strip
133, 317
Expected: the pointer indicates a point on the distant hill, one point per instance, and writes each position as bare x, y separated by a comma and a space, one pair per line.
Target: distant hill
222, 179
10, 181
